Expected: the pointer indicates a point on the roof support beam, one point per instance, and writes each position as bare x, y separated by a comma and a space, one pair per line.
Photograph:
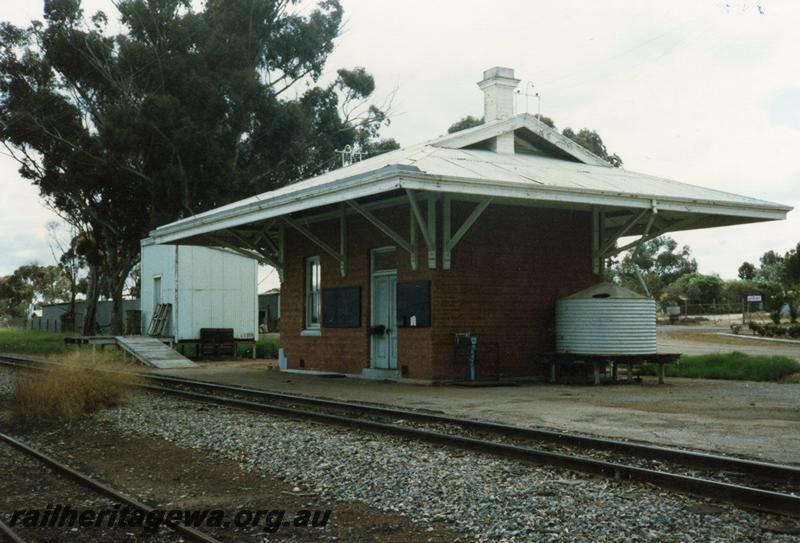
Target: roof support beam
610, 249
281, 248
413, 239
265, 237
428, 228
218, 242
343, 240
383, 227
639, 245
646, 236
597, 231
667, 227
449, 243
622, 231
315, 240
264, 234
431, 229
266, 257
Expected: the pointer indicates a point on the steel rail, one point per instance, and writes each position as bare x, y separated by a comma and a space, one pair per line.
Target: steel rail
777, 472
768, 470
101, 488
764, 500
9, 534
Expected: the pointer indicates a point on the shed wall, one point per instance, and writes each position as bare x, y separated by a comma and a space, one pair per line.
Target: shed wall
208, 288
158, 261
216, 289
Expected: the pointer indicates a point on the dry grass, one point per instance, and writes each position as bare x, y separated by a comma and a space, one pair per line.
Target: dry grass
70, 391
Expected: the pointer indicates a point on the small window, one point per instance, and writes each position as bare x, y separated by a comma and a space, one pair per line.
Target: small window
384, 259
313, 284
156, 291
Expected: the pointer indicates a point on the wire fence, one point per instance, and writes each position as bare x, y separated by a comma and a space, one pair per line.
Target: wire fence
718, 314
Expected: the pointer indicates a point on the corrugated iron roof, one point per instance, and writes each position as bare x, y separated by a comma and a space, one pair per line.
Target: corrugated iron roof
440, 165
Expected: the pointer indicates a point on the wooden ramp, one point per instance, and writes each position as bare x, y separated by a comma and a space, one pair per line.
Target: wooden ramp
153, 352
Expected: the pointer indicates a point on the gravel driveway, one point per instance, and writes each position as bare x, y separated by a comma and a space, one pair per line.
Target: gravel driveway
705, 340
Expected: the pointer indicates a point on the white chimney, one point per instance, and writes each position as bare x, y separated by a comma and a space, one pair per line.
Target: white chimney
498, 87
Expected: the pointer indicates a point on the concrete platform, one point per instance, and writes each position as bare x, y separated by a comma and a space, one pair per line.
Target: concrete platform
759, 420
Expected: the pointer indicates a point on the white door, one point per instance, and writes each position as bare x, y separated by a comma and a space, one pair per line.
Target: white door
384, 314
156, 292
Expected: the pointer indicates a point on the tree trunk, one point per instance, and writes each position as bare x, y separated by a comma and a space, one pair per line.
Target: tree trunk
72, 296
92, 294
118, 267
116, 286
117, 322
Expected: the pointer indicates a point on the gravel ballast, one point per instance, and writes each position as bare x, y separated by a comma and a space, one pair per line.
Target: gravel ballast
485, 498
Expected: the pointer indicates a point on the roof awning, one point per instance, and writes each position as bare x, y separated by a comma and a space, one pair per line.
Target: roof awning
459, 167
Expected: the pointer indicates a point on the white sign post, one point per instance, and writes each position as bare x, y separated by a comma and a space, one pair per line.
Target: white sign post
751, 298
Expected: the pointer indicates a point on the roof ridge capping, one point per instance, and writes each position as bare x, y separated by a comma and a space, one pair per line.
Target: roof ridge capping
493, 129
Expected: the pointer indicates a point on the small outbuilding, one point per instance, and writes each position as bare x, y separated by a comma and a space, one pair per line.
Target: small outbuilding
412, 263
205, 287
53, 315
269, 311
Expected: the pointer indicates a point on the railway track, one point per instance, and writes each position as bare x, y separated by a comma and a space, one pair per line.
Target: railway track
9, 534
95, 486
752, 484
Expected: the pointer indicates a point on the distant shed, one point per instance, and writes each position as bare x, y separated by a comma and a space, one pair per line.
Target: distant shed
269, 310
207, 288
52, 314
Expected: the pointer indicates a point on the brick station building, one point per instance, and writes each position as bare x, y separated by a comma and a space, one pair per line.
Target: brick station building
407, 264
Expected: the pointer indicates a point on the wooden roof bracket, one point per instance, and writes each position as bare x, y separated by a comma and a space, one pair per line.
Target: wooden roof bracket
253, 253
339, 256
254, 250
449, 242
427, 227
408, 246
610, 248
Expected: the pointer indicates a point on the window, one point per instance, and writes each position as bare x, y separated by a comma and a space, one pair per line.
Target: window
313, 282
156, 291
384, 259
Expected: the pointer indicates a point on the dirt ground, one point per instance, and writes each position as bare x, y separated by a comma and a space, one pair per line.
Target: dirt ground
191, 479
759, 420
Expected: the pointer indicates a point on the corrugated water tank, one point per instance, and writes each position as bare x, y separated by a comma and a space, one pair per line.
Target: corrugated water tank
606, 319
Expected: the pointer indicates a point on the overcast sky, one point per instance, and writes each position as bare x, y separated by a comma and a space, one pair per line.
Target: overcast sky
702, 92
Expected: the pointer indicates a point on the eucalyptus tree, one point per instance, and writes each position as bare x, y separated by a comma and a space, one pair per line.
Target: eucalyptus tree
165, 110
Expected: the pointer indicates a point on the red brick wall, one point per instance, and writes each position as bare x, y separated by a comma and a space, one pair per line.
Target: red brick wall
348, 349
506, 275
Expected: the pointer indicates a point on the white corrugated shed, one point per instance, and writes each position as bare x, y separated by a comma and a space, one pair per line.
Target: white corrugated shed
207, 287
